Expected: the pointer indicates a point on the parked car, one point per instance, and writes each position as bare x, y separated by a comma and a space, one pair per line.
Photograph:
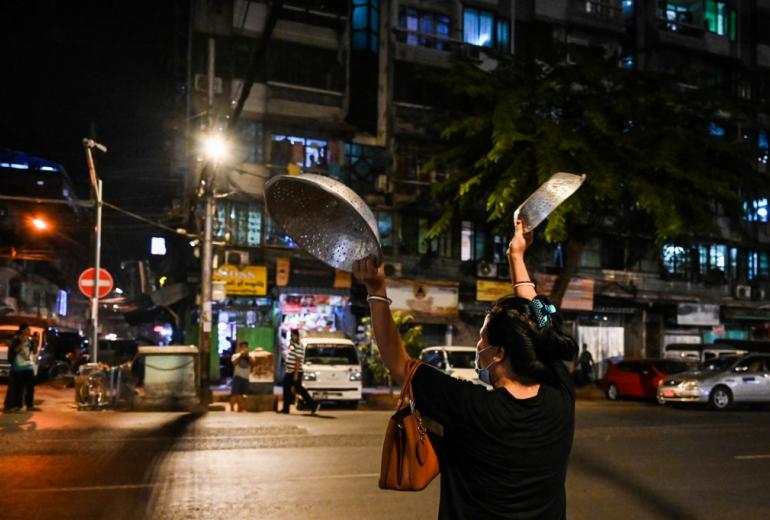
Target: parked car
332, 370
721, 382
697, 353
62, 352
638, 378
457, 361
115, 352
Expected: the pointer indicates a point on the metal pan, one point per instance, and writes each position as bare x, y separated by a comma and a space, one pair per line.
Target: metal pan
324, 217
547, 198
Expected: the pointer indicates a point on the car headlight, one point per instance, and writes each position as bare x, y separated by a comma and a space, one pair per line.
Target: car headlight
690, 385
355, 376
309, 376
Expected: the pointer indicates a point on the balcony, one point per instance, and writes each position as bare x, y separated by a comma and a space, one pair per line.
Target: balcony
283, 99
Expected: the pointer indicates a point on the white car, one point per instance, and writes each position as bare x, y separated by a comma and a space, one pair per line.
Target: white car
332, 370
458, 362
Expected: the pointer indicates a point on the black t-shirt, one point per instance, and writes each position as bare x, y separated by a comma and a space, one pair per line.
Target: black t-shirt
500, 457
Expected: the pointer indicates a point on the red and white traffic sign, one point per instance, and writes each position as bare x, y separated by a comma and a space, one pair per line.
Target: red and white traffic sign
86, 282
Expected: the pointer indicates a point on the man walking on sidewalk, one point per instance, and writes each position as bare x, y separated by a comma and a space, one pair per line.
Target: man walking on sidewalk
292, 379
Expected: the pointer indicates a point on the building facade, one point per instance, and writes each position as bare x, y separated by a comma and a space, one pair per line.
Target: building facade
340, 93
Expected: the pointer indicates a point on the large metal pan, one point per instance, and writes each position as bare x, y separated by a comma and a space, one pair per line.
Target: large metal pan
324, 217
547, 198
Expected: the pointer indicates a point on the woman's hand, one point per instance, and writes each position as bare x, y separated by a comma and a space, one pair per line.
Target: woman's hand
373, 277
519, 243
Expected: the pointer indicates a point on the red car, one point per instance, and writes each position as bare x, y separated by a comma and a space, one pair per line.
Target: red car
638, 378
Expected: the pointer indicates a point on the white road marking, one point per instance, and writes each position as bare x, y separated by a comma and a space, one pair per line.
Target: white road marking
119, 487
752, 457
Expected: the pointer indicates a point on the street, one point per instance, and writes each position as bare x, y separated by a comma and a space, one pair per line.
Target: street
630, 460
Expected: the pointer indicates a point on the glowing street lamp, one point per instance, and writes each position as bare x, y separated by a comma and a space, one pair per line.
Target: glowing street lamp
40, 224
215, 148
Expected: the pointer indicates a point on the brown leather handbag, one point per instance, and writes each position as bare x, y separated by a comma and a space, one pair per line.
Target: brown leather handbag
409, 462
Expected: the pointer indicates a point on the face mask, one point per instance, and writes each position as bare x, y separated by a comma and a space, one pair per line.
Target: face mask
484, 372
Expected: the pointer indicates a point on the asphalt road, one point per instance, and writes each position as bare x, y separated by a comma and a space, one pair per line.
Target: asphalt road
630, 460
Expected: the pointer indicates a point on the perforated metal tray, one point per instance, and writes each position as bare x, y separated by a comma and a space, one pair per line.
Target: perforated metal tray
547, 198
324, 217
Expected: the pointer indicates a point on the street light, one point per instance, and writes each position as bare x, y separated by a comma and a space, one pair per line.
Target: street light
215, 148
40, 224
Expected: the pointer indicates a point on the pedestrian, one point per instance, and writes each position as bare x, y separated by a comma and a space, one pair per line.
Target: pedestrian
586, 366
504, 451
292, 378
21, 380
242, 364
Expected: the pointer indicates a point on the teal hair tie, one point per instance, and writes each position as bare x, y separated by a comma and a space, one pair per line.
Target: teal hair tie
542, 312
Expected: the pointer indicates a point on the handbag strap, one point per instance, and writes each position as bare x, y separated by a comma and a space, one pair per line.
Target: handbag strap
406, 388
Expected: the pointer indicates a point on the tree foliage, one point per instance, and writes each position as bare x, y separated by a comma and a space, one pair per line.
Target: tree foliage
641, 138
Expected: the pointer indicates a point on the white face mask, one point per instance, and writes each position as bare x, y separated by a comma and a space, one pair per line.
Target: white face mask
484, 372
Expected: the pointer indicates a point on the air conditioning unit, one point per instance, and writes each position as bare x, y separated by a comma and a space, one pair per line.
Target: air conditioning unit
486, 270
234, 257
392, 269
743, 292
202, 83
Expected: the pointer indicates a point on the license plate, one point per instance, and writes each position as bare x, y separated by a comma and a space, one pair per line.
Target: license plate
320, 395
668, 393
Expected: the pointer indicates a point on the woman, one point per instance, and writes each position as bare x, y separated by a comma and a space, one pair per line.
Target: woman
504, 452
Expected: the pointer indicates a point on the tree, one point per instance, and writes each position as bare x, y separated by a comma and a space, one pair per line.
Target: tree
642, 138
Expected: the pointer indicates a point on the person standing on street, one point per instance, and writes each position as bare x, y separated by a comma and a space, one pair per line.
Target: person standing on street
242, 364
504, 451
586, 364
21, 381
292, 378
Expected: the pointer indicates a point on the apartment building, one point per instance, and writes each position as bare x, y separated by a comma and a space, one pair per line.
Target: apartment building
340, 93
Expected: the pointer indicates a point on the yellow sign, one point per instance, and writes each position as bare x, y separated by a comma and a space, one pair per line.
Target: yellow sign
342, 279
491, 290
250, 280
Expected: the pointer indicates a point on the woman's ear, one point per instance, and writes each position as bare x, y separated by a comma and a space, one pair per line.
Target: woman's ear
500, 354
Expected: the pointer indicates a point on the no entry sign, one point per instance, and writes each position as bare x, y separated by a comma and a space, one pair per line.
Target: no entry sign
86, 282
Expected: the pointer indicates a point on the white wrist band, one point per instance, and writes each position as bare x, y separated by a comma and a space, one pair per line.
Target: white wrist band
379, 299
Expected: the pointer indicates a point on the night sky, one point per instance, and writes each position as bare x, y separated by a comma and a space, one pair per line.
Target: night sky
111, 70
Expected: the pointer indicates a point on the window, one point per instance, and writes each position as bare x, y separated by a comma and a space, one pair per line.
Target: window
302, 151
674, 259
763, 149
757, 265
627, 62
628, 8
385, 228
442, 246
499, 248
424, 28
242, 222
466, 240
719, 19
605, 8
716, 130
275, 236
485, 29
755, 210
366, 25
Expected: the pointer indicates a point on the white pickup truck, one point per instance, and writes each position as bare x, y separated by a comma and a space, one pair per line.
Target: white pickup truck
332, 370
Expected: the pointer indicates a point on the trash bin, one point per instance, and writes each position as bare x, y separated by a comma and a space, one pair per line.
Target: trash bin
170, 378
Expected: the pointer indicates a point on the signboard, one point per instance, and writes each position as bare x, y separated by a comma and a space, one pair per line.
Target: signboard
697, 314
250, 280
491, 290
578, 297
282, 268
86, 282
424, 299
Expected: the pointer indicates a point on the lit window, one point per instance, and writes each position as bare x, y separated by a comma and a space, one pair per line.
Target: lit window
484, 29
628, 8
366, 24
424, 28
158, 246
627, 62
466, 241
755, 210
716, 130
302, 151
757, 265
385, 228
674, 259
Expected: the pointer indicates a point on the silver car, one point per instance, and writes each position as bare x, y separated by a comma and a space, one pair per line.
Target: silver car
721, 382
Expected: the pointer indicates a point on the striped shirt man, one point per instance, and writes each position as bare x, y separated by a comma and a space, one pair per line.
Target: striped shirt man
295, 356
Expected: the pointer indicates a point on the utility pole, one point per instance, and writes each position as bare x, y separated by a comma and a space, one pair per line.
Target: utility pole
207, 185
96, 184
